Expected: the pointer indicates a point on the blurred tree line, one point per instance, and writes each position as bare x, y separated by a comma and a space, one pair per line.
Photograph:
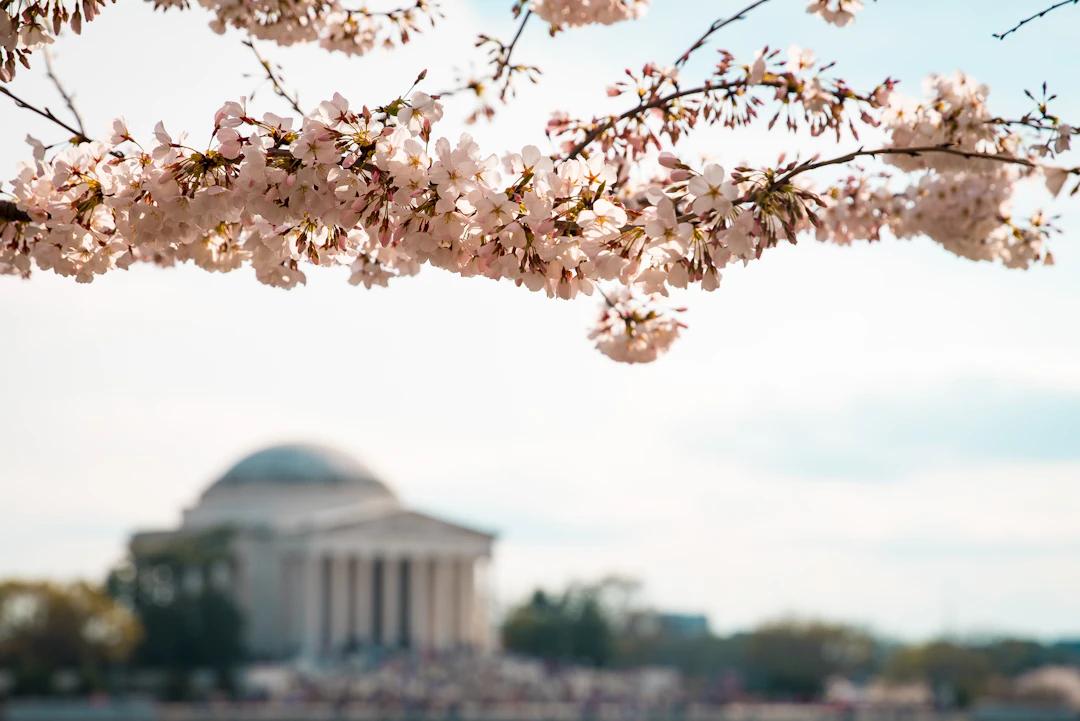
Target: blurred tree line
600, 624
162, 616
62, 637
166, 615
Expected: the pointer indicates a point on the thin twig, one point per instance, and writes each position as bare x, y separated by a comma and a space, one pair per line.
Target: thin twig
394, 13
661, 102
717, 25
607, 298
650, 105
1036, 16
279, 88
603, 127
504, 60
501, 63
69, 99
77, 135
913, 151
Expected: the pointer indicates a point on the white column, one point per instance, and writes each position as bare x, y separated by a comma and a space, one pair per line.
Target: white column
339, 603
364, 569
418, 602
442, 597
288, 611
466, 581
391, 622
482, 603
431, 585
310, 578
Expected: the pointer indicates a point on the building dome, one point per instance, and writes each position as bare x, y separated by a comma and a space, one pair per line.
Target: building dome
289, 484
295, 464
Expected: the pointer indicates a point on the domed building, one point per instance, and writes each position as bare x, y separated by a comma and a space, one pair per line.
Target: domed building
322, 559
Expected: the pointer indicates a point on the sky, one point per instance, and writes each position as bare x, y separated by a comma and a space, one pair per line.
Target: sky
887, 434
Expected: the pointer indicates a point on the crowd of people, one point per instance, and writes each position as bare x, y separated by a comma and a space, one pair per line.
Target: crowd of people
479, 687
503, 688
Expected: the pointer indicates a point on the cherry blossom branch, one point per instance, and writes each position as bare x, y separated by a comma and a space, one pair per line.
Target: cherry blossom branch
913, 151
369, 190
77, 136
1036, 16
26, 25
716, 26
279, 88
664, 101
391, 14
68, 98
679, 62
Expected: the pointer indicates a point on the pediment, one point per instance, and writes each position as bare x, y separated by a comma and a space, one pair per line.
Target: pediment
405, 525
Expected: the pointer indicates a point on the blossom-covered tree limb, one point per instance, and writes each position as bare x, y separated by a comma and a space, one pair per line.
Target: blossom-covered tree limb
333, 24
727, 98
372, 190
26, 25
377, 191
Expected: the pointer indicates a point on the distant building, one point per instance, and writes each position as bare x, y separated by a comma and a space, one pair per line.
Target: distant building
683, 625
322, 558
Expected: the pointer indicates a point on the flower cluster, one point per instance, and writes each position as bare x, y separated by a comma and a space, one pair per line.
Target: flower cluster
733, 96
968, 213
955, 114
960, 197
634, 328
837, 12
28, 25
334, 25
574, 13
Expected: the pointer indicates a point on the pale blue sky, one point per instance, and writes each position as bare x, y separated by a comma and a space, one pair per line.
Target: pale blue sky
883, 434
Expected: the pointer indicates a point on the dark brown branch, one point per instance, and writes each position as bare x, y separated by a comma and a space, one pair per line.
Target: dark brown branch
77, 136
10, 212
1036, 16
717, 25
913, 151
644, 107
503, 67
504, 59
279, 88
419, 5
661, 102
69, 100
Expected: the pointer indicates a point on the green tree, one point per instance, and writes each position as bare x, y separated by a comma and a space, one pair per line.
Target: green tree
792, 659
574, 626
958, 674
1012, 657
190, 619
590, 632
48, 630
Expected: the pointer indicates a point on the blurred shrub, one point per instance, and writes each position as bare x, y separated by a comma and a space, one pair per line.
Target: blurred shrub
62, 638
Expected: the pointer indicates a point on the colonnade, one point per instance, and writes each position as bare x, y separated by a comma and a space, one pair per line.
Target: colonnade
350, 601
